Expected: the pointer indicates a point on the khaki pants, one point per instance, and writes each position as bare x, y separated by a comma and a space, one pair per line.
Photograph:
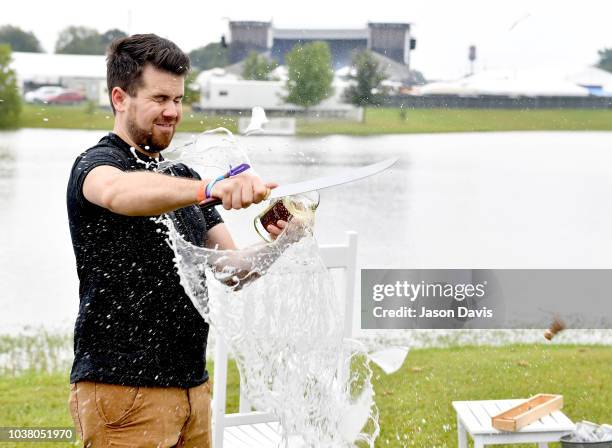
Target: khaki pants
109, 415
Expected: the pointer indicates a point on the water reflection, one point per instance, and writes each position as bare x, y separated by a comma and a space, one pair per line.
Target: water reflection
8, 171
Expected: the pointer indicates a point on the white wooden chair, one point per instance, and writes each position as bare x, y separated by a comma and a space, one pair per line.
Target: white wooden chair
247, 428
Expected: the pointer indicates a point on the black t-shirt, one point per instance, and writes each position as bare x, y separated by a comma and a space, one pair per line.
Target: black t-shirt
136, 326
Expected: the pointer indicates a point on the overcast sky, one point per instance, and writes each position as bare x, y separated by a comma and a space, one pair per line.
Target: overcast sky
557, 34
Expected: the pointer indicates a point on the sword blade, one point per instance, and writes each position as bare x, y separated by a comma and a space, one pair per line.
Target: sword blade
331, 181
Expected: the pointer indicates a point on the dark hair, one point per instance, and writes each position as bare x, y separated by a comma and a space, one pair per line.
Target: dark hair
127, 57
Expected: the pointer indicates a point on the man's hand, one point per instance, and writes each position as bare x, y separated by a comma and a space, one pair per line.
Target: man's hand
275, 230
247, 265
241, 191
293, 231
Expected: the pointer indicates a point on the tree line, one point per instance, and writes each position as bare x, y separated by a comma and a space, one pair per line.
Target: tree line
71, 40
310, 79
309, 67
85, 40
310, 75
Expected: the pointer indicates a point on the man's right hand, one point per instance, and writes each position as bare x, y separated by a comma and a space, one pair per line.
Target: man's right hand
241, 191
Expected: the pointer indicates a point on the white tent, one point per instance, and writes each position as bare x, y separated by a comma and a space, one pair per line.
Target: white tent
513, 83
598, 81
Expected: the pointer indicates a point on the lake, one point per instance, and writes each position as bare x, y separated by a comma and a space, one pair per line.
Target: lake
471, 200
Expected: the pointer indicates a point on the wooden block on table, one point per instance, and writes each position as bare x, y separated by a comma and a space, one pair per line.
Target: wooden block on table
528, 412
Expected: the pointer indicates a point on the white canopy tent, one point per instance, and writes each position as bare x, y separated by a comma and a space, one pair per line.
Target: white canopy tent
598, 81
513, 83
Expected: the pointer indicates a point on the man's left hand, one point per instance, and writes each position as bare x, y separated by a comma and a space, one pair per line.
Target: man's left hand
275, 230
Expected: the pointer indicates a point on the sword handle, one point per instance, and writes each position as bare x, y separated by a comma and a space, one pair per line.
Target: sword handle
231, 173
212, 203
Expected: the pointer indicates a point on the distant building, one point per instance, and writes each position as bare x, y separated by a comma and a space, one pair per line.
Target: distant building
84, 73
392, 40
224, 91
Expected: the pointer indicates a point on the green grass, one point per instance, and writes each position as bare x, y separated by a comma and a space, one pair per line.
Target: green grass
78, 117
415, 402
378, 121
389, 121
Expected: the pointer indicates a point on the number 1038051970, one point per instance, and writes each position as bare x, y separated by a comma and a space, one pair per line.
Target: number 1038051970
15, 434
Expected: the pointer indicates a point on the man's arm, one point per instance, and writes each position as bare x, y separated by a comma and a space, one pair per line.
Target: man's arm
138, 193
239, 267
219, 238
141, 193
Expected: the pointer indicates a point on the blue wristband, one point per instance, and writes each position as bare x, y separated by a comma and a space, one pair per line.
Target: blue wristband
211, 184
232, 172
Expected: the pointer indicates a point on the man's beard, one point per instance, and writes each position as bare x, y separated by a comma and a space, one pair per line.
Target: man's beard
146, 139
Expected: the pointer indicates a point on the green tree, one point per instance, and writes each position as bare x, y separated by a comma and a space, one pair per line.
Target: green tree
416, 77
111, 35
19, 40
310, 74
192, 90
83, 40
258, 67
79, 40
10, 102
605, 59
210, 56
368, 76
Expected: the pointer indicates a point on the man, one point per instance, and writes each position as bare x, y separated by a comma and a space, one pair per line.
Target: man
139, 376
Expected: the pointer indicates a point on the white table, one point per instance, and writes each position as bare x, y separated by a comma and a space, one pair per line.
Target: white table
474, 418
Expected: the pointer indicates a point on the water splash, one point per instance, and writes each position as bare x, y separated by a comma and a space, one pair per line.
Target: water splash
199, 151
275, 307
258, 119
211, 153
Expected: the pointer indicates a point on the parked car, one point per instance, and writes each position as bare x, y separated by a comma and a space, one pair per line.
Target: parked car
42, 94
67, 97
